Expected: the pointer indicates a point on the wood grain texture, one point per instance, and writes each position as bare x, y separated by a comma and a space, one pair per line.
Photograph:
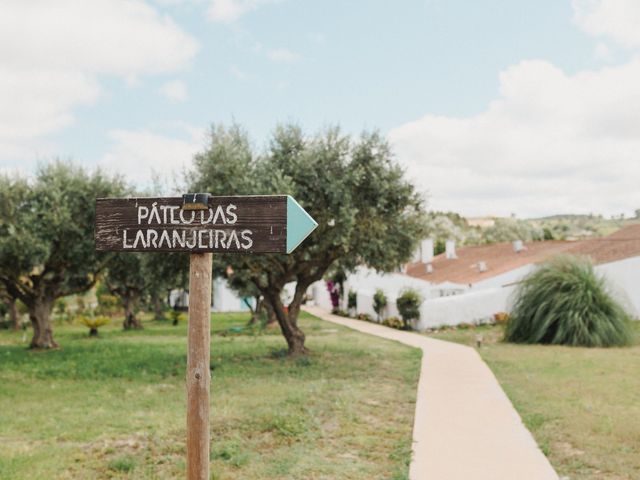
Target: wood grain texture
265, 216
198, 366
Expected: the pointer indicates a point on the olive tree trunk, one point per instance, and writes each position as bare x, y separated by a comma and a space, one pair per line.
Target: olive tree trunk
158, 306
288, 319
13, 314
255, 311
130, 320
271, 314
40, 315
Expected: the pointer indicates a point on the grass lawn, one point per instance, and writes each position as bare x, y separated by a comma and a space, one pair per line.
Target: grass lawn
581, 404
114, 407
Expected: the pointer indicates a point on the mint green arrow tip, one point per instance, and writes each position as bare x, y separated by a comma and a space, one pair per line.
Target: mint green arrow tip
299, 224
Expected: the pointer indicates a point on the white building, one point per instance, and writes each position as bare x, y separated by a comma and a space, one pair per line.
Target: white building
491, 273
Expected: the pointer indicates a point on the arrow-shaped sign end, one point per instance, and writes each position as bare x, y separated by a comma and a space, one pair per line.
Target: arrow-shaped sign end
299, 224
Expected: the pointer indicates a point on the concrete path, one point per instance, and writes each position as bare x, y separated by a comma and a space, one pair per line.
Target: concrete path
465, 427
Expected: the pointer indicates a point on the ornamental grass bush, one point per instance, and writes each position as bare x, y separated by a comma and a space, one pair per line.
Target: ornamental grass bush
564, 302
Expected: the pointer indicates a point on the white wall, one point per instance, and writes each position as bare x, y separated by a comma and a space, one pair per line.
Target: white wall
471, 307
365, 282
506, 278
624, 276
225, 299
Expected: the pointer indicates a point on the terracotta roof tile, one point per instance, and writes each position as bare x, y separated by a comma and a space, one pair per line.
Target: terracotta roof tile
501, 258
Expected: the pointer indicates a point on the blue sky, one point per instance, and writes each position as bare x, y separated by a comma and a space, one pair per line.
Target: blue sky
133, 85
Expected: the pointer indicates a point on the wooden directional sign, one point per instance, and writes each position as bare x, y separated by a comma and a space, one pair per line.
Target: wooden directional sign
201, 223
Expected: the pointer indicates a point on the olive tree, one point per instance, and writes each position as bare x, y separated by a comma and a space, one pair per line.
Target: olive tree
368, 213
47, 248
136, 277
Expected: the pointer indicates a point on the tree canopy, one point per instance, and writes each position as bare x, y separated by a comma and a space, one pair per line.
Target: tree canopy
368, 213
46, 238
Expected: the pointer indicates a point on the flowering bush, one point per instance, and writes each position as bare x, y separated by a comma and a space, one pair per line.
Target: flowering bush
334, 293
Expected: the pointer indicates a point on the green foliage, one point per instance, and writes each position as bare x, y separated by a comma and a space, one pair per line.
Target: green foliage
176, 316
394, 322
107, 304
510, 229
408, 304
94, 322
123, 464
564, 302
47, 247
46, 229
352, 300
368, 213
379, 302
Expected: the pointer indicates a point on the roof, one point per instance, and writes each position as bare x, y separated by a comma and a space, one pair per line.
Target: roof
625, 243
501, 258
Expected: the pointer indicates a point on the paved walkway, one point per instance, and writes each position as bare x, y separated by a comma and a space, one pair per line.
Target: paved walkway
465, 427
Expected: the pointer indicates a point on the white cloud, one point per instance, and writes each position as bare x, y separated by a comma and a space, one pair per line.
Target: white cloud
550, 143
175, 90
616, 19
36, 102
602, 52
52, 55
282, 55
118, 37
139, 154
228, 11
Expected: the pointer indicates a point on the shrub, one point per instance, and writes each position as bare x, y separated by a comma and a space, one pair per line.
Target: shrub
394, 322
364, 316
334, 293
564, 302
108, 304
93, 323
379, 302
352, 300
408, 304
177, 317
501, 318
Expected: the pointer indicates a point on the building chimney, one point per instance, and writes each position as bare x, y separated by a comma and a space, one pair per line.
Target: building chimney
426, 250
450, 250
429, 268
482, 266
517, 246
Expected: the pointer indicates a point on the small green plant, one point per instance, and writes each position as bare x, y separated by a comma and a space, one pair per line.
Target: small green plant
352, 302
123, 464
408, 304
379, 303
176, 317
93, 323
364, 316
564, 302
393, 322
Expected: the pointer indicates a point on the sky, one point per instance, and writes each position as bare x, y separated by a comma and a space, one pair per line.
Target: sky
493, 107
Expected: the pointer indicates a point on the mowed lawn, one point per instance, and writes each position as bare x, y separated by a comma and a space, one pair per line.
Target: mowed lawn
114, 407
581, 404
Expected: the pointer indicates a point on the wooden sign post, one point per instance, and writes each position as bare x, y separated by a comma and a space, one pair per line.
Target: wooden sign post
201, 224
